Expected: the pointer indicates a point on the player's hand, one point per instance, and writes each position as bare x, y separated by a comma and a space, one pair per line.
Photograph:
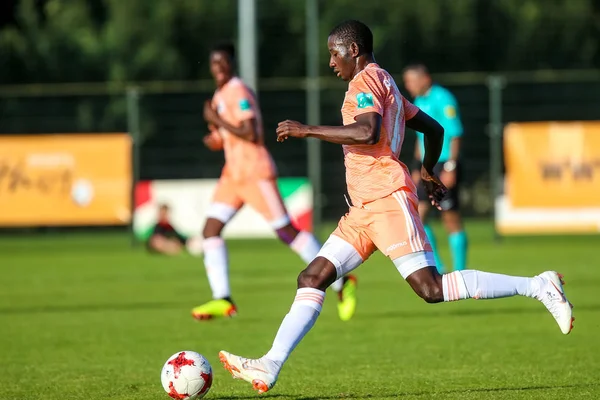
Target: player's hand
287, 128
448, 178
434, 187
210, 114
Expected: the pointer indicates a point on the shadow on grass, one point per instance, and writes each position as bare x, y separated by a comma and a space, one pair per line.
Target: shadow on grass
390, 395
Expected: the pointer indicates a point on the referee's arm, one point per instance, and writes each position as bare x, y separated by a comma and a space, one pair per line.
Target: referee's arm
454, 129
450, 120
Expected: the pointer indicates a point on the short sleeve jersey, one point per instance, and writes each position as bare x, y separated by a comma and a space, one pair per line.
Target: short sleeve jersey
441, 105
374, 171
244, 160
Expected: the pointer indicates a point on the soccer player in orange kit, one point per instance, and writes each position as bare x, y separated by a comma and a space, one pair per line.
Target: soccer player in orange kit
383, 214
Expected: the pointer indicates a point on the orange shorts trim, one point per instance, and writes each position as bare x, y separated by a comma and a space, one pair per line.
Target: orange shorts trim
390, 224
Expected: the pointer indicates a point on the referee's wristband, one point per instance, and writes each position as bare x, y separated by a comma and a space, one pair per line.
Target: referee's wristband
416, 165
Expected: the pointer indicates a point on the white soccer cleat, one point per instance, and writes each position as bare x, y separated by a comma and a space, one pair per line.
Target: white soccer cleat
553, 297
261, 373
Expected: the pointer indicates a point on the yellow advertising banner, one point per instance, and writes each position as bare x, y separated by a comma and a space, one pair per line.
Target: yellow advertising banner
552, 178
553, 164
74, 179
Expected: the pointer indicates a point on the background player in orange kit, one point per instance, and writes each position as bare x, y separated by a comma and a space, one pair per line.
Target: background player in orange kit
384, 211
248, 177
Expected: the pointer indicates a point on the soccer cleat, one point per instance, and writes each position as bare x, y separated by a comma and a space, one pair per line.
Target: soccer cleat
553, 296
261, 373
347, 298
214, 309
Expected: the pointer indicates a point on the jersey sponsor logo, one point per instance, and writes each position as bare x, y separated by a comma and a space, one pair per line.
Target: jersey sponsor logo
245, 105
450, 111
364, 100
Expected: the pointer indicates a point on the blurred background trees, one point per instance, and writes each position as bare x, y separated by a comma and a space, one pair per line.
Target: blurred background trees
133, 40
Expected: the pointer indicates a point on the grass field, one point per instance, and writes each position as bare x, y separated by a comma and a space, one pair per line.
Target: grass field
86, 317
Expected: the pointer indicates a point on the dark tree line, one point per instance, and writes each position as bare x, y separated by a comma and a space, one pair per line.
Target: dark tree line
124, 40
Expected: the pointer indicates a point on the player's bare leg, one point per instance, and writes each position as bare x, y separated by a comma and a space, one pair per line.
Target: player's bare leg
307, 247
262, 373
217, 270
164, 245
458, 285
457, 238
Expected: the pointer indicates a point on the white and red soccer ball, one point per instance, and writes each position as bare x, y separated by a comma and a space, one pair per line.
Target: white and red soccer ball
186, 375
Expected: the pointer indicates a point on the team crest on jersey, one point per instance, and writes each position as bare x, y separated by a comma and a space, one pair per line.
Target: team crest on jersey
244, 104
450, 111
364, 100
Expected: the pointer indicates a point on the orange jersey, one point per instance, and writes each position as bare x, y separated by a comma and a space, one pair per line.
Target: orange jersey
374, 171
244, 160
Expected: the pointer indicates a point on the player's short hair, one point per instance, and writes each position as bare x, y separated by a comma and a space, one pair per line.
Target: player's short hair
418, 67
357, 32
164, 206
224, 47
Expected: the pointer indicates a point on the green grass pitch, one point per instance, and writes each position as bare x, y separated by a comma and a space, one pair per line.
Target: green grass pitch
86, 317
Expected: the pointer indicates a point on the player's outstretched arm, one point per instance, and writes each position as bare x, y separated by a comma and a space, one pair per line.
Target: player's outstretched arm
246, 131
433, 139
366, 130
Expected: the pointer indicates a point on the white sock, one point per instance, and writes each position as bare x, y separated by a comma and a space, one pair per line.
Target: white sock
217, 266
306, 245
338, 285
296, 324
467, 284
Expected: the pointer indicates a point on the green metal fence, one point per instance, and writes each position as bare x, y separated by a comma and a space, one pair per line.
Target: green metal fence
165, 120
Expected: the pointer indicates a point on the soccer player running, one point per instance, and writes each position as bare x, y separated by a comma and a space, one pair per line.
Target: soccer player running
384, 212
441, 105
248, 177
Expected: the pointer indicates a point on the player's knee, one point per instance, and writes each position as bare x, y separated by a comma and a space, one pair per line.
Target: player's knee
212, 229
431, 293
208, 233
306, 279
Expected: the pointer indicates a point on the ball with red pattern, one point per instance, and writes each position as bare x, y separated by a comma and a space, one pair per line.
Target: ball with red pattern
186, 375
